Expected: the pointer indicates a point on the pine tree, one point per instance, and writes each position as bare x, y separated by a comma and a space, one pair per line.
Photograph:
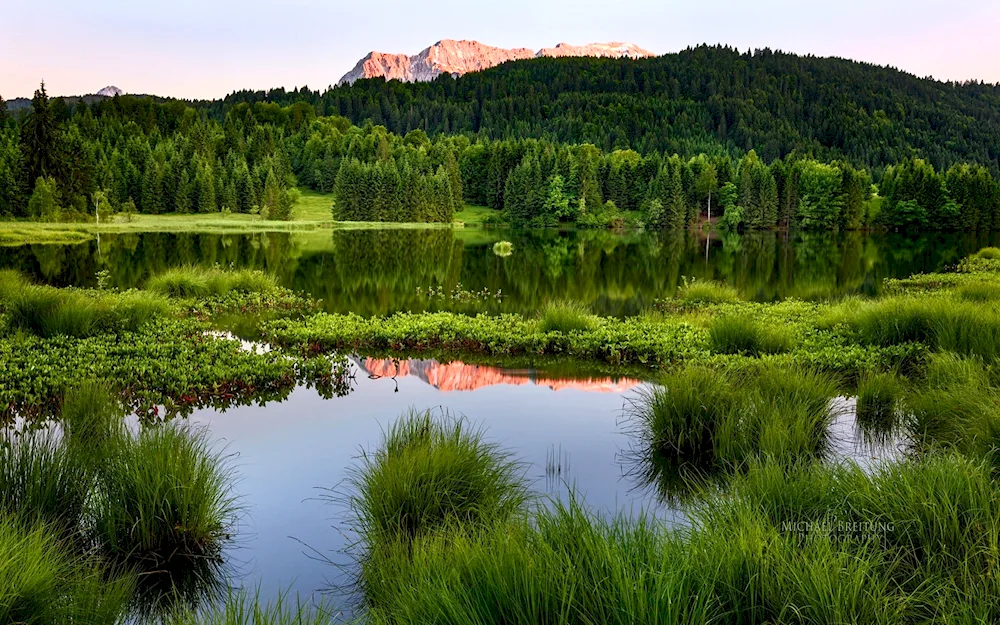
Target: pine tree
40, 138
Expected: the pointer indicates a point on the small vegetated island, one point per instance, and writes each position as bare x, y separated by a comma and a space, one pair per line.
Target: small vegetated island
113, 510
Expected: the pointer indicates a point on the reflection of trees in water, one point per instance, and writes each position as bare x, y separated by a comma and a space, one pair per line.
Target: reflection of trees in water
379, 271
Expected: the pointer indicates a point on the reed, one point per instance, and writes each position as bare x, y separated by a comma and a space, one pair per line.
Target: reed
707, 292
191, 281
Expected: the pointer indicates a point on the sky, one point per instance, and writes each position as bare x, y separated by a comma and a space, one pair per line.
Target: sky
209, 48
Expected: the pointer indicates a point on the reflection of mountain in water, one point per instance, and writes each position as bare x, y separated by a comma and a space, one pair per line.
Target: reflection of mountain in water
458, 376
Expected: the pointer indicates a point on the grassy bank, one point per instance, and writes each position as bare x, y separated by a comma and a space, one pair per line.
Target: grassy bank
311, 212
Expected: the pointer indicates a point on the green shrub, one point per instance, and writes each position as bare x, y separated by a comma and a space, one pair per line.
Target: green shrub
707, 292
428, 474
566, 317
739, 334
503, 248
989, 253
163, 498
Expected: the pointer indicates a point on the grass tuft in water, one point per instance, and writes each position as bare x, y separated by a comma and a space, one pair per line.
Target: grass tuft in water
700, 421
431, 472
566, 317
879, 404
989, 253
163, 498
739, 334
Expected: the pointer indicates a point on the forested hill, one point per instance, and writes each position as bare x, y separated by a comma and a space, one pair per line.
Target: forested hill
705, 99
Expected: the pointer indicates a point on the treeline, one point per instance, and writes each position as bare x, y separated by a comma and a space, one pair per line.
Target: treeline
377, 176
712, 100
135, 154
64, 160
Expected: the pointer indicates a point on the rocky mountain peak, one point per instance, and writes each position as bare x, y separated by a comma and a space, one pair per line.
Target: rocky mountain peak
457, 57
110, 91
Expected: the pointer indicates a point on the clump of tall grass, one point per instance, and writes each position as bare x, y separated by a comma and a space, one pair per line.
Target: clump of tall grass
989, 253
563, 567
979, 292
163, 498
879, 403
430, 473
707, 292
956, 407
41, 479
44, 584
184, 282
239, 607
48, 312
702, 421
566, 317
943, 323
739, 334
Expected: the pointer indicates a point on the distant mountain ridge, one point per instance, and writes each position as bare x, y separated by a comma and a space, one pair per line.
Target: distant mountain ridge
458, 57
106, 93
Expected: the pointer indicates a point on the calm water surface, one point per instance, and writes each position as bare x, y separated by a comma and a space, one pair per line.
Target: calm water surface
384, 271
570, 433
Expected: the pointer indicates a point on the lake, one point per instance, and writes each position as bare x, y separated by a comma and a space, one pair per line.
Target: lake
567, 427
377, 272
571, 433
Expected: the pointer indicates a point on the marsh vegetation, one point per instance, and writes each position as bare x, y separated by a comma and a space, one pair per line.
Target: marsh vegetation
735, 430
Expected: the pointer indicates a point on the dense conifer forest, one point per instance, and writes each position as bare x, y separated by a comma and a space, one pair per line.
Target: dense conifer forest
758, 140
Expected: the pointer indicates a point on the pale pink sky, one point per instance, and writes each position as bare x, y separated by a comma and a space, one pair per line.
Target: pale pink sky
208, 48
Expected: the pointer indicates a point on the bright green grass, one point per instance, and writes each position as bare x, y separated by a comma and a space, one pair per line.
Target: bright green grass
48, 312
163, 495
195, 282
741, 334
566, 317
43, 583
243, 608
430, 473
707, 291
475, 215
313, 206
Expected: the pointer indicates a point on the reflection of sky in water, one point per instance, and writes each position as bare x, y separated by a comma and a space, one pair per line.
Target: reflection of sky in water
287, 451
